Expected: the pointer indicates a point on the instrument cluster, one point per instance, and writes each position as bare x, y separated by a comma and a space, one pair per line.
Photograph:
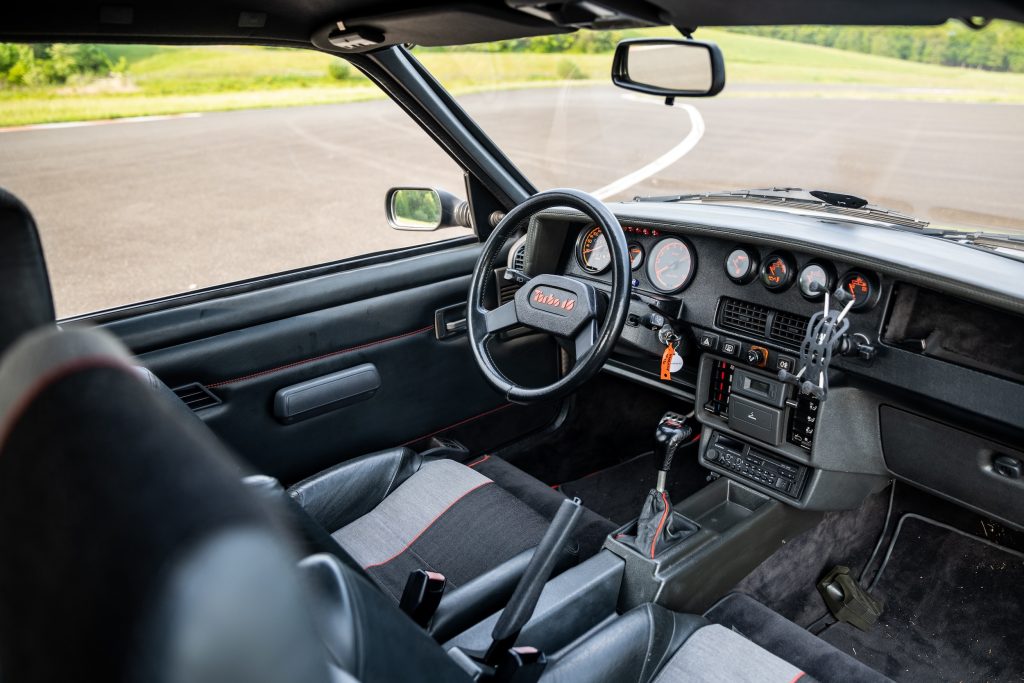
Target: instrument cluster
664, 263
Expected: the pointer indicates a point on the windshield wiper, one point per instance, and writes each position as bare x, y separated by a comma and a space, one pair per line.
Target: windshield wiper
1011, 246
800, 199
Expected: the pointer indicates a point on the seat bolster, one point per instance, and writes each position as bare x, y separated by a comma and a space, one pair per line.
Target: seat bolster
340, 495
616, 651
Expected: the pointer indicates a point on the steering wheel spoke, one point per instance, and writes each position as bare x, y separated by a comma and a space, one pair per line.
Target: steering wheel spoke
501, 318
585, 338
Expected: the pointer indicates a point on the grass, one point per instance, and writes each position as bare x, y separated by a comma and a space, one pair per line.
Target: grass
167, 80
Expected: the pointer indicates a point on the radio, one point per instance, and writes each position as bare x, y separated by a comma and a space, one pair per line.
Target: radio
746, 461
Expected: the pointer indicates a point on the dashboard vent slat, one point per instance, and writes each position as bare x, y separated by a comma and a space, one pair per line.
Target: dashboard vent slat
196, 397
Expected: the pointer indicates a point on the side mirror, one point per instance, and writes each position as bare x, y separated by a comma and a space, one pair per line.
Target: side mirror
669, 67
424, 208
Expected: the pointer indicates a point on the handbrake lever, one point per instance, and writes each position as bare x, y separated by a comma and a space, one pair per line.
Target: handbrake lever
524, 599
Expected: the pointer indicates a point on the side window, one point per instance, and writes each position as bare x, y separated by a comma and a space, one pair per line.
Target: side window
153, 171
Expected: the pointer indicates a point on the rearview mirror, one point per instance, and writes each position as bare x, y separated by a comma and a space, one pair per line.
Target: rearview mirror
424, 208
669, 67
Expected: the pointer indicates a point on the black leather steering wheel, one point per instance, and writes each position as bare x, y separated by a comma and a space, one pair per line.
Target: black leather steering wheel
557, 304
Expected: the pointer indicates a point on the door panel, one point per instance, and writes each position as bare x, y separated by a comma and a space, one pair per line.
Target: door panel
382, 315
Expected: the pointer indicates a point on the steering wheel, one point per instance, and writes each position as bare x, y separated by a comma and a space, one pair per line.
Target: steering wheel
562, 306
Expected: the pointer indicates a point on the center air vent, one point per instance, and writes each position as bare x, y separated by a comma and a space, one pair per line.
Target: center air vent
761, 321
739, 315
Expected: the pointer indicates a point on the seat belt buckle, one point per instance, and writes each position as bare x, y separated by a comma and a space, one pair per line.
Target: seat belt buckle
521, 664
422, 595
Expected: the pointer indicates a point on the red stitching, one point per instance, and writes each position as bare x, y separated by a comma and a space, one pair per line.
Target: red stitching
430, 524
480, 461
261, 373
661, 524
458, 424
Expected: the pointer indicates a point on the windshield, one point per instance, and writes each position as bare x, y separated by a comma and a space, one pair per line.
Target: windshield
928, 122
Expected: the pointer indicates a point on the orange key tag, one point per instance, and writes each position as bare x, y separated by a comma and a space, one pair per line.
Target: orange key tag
666, 362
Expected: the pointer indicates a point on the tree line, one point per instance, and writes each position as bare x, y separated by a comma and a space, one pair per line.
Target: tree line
998, 47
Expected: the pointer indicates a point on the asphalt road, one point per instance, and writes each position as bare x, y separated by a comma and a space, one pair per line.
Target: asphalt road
132, 211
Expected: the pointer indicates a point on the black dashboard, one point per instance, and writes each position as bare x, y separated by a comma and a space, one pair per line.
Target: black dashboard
934, 348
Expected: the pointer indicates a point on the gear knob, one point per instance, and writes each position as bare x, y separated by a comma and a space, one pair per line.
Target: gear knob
671, 433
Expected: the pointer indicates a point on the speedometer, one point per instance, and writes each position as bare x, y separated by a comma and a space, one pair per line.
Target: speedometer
670, 266
592, 251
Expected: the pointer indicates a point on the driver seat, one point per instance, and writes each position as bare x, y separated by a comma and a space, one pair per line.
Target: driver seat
395, 512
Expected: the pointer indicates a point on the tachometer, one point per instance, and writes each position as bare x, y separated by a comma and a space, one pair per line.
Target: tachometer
592, 251
815, 279
741, 266
671, 265
862, 287
777, 272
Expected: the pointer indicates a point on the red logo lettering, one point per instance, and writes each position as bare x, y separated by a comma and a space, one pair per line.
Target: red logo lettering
551, 301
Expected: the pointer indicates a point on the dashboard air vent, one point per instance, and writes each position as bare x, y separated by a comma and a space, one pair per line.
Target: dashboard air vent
746, 317
506, 288
761, 321
519, 258
196, 396
788, 328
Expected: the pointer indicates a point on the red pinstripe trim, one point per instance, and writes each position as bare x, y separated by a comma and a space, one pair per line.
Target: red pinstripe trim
797, 677
480, 461
459, 423
261, 373
661, 525
47, 380
424, 529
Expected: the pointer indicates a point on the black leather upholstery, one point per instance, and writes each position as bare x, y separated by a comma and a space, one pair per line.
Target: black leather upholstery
347, 491
25, 299
631, 648
366, 635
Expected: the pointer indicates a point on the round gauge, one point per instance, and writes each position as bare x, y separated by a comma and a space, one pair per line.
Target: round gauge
592, 251
671, 265
814, 280
862, 287
741, 266
636, 255
777, 272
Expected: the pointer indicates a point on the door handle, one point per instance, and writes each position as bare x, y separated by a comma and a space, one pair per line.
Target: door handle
450, 321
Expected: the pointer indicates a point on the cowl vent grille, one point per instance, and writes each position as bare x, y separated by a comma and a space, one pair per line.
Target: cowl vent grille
196, 396
784, 328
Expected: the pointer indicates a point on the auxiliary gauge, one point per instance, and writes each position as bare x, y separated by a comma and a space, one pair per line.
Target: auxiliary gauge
636, 255
741, 266
815, 279
777, 272
862, 287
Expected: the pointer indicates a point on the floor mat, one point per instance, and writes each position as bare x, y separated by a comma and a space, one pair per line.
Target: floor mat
952, 612
618, 492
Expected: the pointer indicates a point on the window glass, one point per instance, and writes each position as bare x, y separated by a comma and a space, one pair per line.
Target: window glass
158, 170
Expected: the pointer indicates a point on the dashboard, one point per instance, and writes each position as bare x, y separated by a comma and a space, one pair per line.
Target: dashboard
933, 348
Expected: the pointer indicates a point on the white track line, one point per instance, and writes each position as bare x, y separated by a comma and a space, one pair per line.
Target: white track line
100, 122
665, 160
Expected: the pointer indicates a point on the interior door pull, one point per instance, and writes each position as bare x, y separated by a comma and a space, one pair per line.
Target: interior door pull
450, 321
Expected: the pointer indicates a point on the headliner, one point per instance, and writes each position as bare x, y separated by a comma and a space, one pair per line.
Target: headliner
300, 22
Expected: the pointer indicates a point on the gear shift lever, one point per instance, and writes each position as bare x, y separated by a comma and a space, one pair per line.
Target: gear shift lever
655, 527
671, 433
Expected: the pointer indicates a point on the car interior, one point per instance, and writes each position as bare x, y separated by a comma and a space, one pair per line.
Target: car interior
752, 436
